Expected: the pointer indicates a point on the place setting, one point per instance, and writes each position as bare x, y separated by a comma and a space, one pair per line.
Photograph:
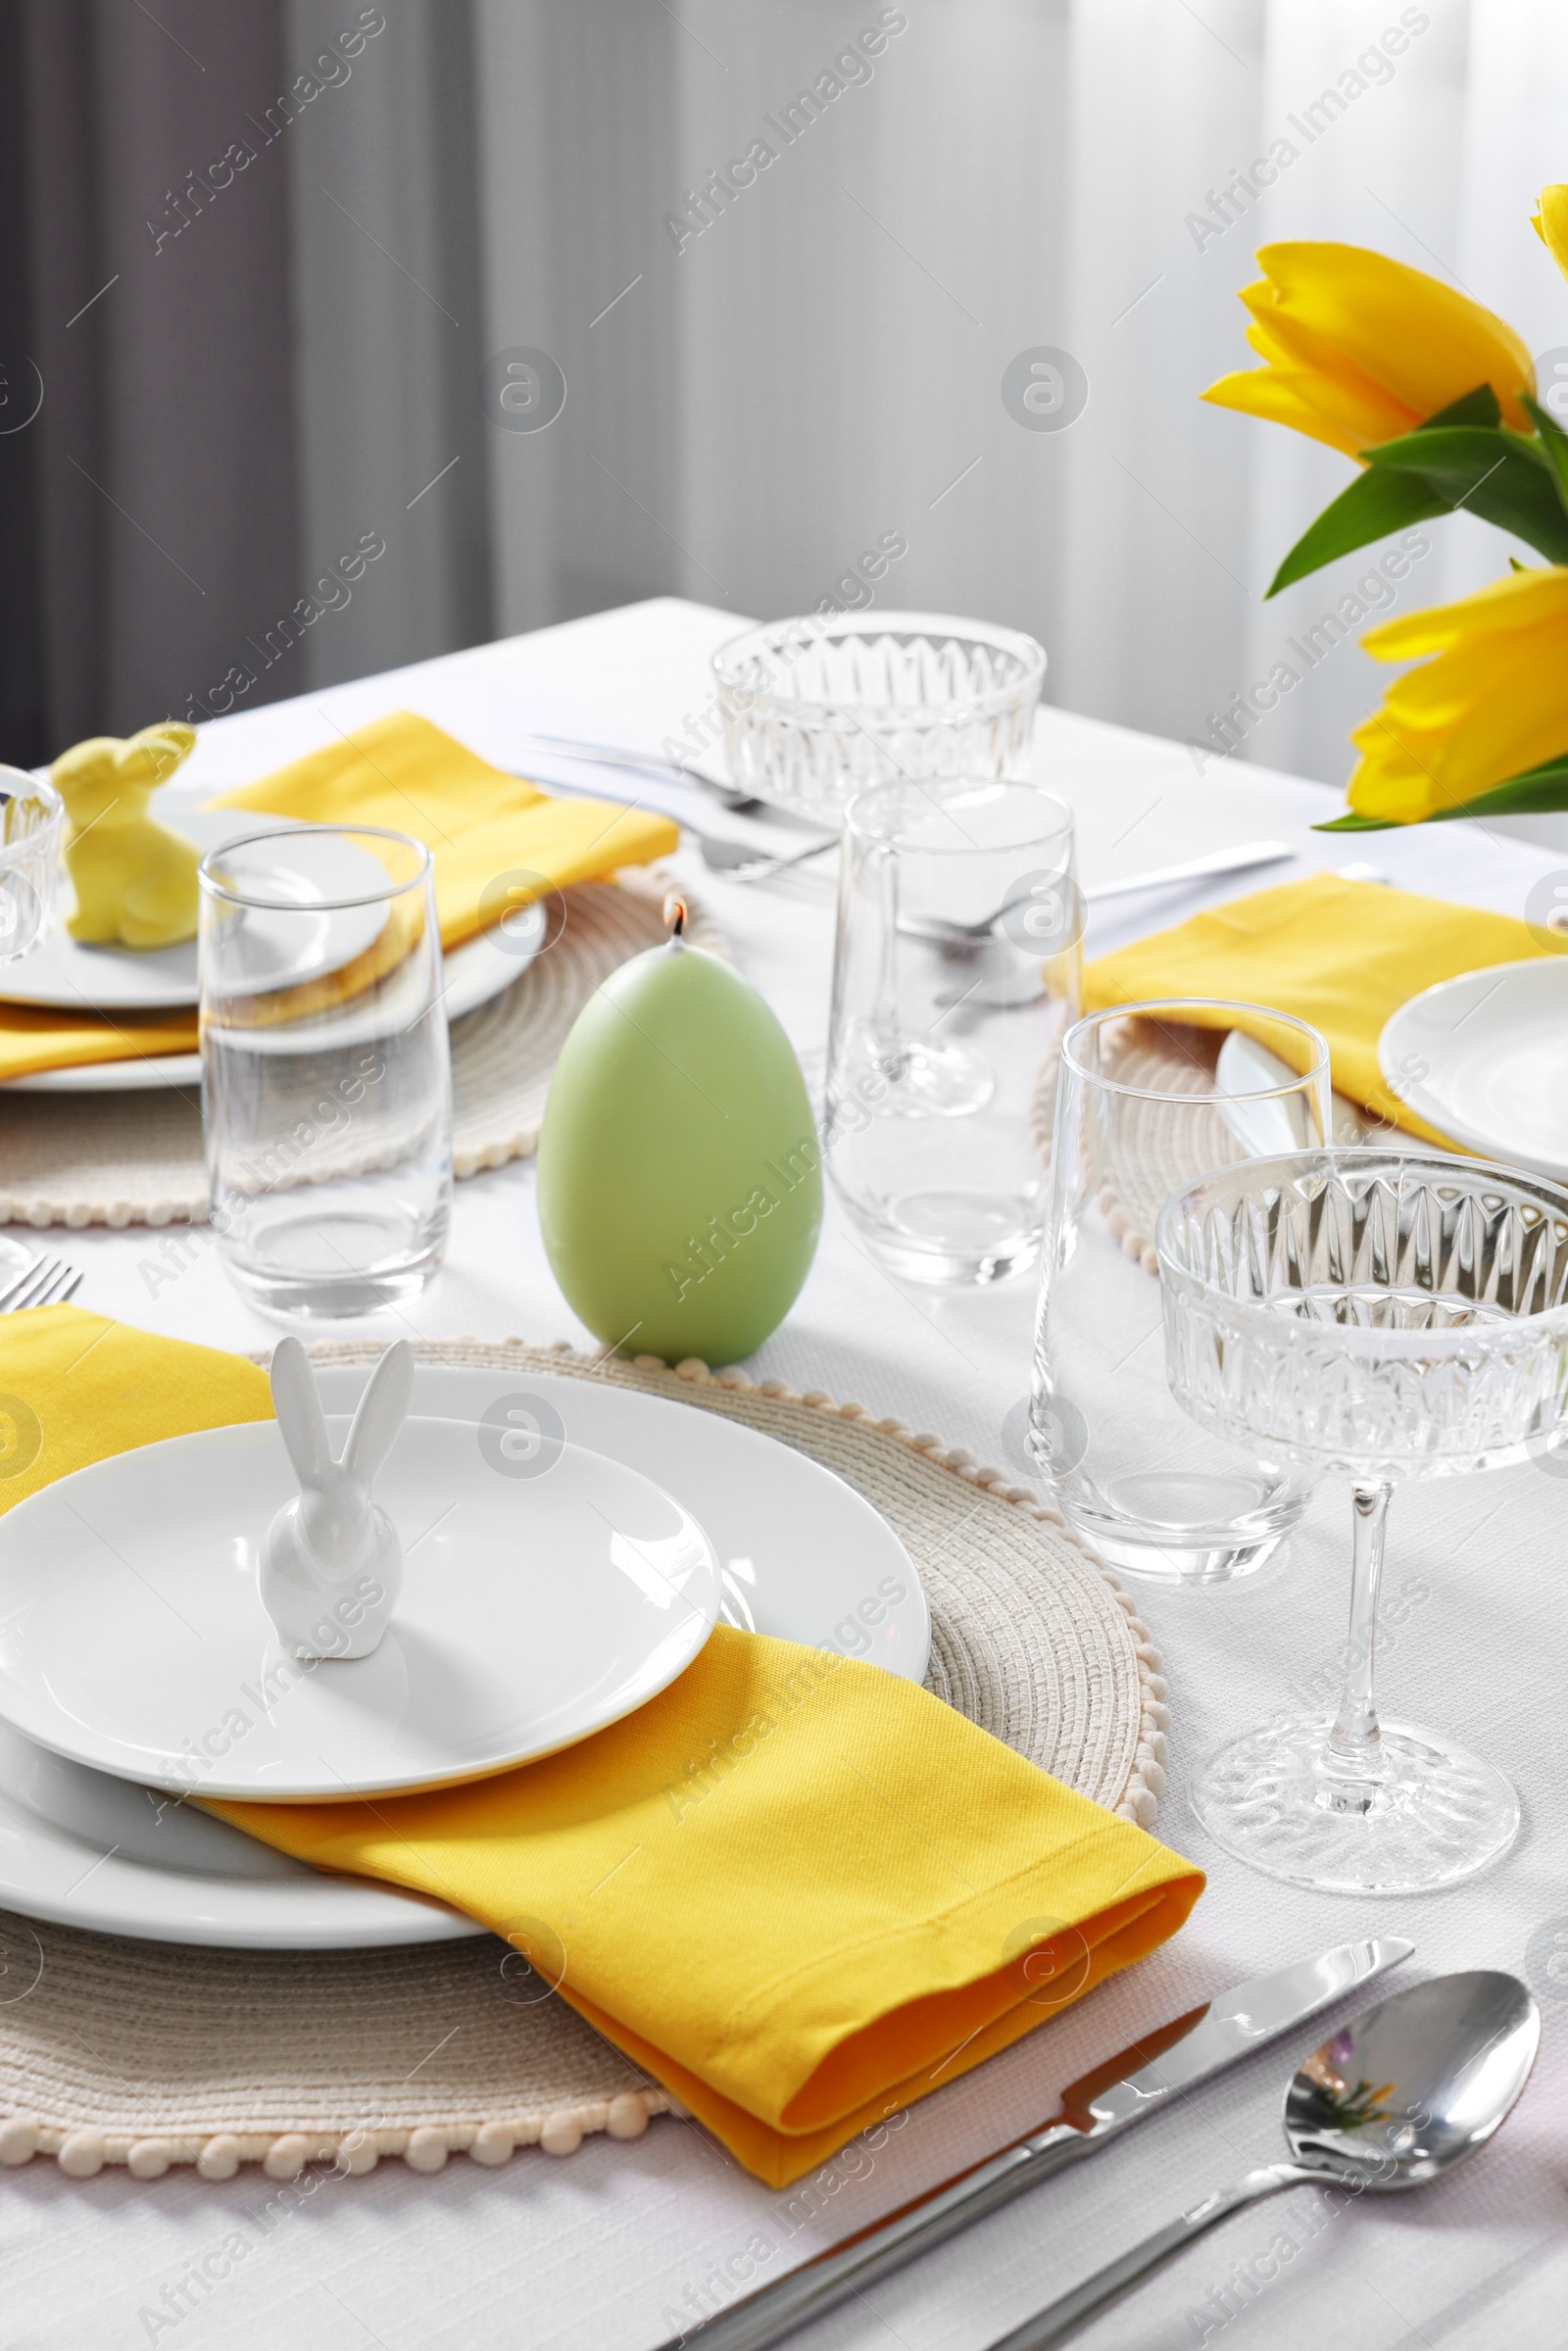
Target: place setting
423, 1748
100, 1061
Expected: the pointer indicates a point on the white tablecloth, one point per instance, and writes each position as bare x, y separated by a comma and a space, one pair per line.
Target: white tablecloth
596, 2253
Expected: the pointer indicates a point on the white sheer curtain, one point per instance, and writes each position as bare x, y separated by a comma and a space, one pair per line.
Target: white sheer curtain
821, 365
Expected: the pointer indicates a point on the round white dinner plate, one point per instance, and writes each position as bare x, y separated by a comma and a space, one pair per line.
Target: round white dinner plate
1484, 1058
64, 976
802, 1554
471, 974
539, 1602
85, 1850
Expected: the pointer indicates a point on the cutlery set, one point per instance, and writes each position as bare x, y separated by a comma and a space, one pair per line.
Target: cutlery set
1392, 2100
747, 861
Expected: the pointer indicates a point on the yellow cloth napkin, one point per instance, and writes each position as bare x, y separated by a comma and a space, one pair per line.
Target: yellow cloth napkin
32, 1039
477, 822
401, 771
799, 1892
1343, 955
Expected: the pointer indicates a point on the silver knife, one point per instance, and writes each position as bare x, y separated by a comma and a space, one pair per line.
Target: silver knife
1195, 869
1138, 2081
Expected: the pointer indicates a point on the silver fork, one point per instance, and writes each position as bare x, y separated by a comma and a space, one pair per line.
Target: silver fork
42, 1282
721, 853
608, 755
741, 861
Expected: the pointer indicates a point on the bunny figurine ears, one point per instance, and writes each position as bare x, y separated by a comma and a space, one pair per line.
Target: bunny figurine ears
331, 1565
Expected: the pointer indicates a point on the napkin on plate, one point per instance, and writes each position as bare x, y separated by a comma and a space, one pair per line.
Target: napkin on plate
1343, 955
477, 822
800, 1891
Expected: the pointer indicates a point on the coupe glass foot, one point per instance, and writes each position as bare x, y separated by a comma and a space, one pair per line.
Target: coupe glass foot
1434, 1815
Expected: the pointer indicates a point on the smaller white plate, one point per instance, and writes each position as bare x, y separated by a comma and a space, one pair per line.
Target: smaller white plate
66, 977
535, 1609
472, 974
1484, 1058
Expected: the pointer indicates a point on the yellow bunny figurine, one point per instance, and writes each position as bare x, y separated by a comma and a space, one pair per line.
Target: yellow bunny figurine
135, 881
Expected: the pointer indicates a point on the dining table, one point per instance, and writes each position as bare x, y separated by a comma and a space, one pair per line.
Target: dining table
622, 2244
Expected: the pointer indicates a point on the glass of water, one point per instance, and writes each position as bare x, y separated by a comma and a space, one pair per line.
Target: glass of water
954, 976
326, 1092
1152, 1098
30, 818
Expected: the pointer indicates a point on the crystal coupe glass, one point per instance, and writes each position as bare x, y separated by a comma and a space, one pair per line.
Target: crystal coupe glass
1389, 1316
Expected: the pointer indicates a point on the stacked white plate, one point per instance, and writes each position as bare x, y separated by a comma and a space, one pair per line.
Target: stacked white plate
138, 1672
62, 975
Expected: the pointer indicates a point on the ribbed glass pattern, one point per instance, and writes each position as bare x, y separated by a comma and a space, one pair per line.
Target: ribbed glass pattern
811, 713
1390, 1313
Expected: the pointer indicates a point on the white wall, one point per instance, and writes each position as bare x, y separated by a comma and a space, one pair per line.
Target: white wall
818, 365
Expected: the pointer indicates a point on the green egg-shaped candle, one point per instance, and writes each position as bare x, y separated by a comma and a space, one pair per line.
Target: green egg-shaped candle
680, 1188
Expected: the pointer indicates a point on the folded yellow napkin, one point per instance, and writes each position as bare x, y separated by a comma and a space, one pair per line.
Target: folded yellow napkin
32, 1039
1343, 955
477, 822
799, 1892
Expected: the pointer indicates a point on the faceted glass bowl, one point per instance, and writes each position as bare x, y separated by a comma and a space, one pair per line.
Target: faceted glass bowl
1391, 1315
817, 708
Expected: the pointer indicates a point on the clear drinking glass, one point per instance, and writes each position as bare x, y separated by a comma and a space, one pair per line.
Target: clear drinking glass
817, 708
955, 975
1389, 1316
30, 818
326, 1093
1142, 1112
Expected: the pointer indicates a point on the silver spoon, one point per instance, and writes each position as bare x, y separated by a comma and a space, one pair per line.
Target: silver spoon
1164, 877
1392, 2100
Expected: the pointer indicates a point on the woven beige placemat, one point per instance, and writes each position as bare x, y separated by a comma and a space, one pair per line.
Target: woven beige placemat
120, 2051
135, 1157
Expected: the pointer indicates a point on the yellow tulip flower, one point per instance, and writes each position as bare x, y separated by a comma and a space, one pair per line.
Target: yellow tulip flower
1550, 223
1490, 704
1361, 349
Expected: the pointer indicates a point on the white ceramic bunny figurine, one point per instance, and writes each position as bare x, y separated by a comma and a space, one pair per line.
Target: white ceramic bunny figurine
331, 1566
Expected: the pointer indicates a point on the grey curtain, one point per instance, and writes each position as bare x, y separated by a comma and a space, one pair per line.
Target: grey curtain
239, 259
161, 459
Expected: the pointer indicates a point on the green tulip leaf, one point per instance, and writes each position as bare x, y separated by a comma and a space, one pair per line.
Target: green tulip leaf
1553, 445
1537, 791
1501, 475
1376, 504
1478, 407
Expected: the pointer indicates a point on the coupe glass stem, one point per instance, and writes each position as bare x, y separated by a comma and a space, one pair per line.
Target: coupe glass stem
1354, 1762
